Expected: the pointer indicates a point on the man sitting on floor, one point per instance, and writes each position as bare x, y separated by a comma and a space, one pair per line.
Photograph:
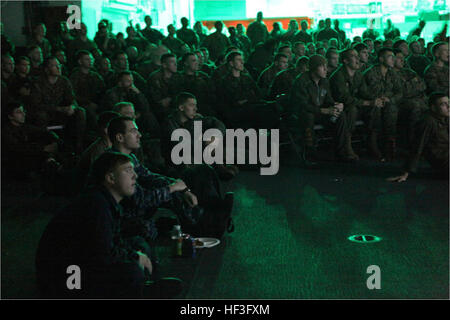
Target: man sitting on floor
430, 140
154, 190
85, 238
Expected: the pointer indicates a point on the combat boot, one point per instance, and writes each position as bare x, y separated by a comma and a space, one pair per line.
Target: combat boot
348, 154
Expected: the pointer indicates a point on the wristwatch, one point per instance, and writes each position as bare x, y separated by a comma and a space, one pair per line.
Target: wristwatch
185, 190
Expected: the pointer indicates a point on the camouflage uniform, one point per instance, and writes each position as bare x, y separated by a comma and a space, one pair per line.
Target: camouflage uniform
146, 121
252, 113
257, 32
189, 37
77, 44
418, 63
146, 68
47, 97
172, 123
436, 78
363, 67
246, 44
220, 72
303, 36
174, 45
306, 99
265, 79
88, 88
200, 85
431, 140
152, 35
45, 46
389, 86
158, 88
216, 43
138, 80
413, 103
351, 91
327, 34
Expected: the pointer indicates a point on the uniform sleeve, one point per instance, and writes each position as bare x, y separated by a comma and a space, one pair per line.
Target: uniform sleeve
371, 82
36, 98
414, 86
145, 198
397, 89
431, 80
299, 98
341, 92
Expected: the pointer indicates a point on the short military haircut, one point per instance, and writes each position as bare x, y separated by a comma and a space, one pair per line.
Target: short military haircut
345, 54
284, 46
298, 43
124, 73
383, 51
119, 105
230, 56
398, 43
304, 60
82, 53
182, 97
360, 46
411, 44
47, 61
321, 51
105, 117
330, 51
186, 56
105, 164
436, 47
435, 96
166, 57
278, 56
397, 50
116, 126
22, 58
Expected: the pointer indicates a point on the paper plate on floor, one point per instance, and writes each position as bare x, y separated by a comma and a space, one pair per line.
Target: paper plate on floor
207, 242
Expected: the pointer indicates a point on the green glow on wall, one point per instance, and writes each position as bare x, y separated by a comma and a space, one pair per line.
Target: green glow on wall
353, 14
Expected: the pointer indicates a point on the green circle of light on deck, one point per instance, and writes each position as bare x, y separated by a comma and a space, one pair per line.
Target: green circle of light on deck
364, 238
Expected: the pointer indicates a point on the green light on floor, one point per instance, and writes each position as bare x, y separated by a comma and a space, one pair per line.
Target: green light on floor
364, 238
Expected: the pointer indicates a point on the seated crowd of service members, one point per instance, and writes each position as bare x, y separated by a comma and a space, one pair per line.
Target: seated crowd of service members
100, 114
